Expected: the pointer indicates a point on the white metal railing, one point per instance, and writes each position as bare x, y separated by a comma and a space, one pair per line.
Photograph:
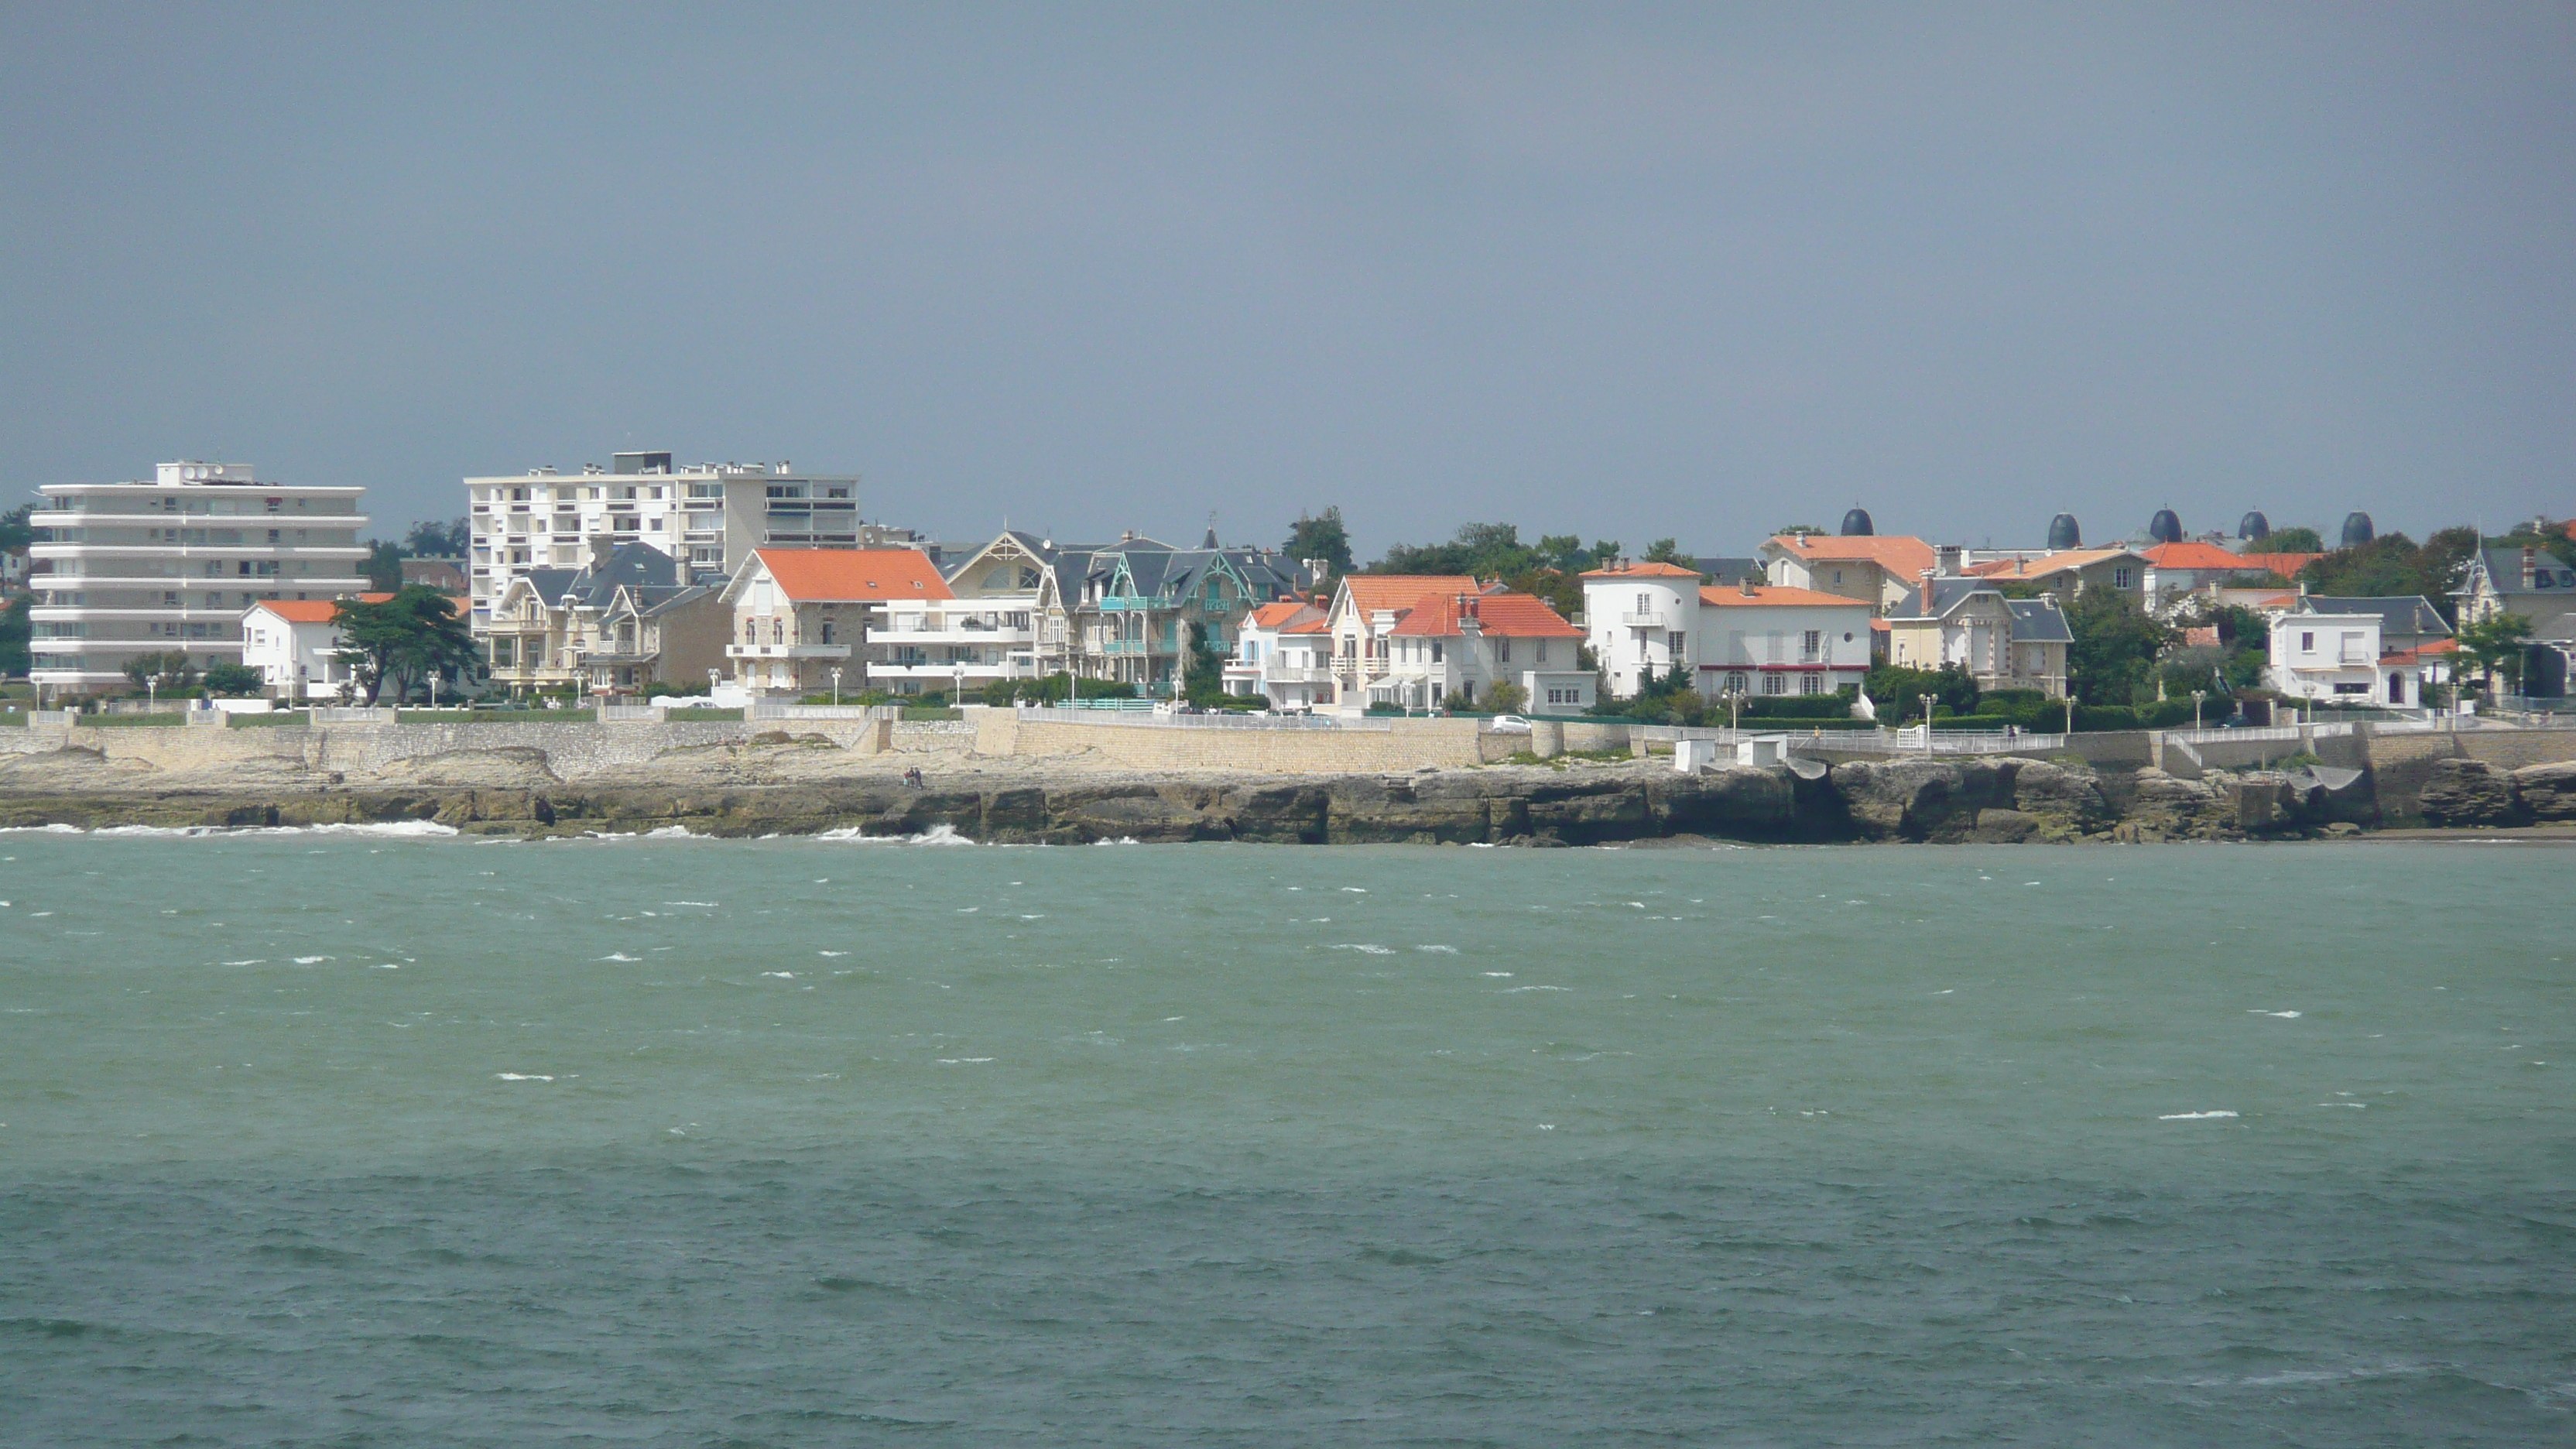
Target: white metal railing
632, 714
789, 709
1909, 741
1146, 719
327, 714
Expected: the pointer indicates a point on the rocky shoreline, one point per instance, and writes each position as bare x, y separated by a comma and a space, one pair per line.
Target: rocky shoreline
2000, 801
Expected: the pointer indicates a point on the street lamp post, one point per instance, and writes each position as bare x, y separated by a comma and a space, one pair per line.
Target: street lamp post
2197, 696
836, 686
1927, 724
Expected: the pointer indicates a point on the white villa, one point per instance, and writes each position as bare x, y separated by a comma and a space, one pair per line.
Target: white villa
1747, 639
1450, 650
1284, 653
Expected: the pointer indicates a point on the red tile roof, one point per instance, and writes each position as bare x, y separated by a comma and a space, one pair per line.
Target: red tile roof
312, 611
1775, 597
1513, 616
1373, 592
2046, 564
1272, 616
1903, 556
2287, 565
2197, 556
1656, 569
834, 575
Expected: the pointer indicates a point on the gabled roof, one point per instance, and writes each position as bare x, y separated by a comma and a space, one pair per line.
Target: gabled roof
2504, 571
1510, 616
1904, 556
1775, 597
840, 575
1280, 614
1948, 592
1370, 593
1728, 570
2194, 554
2401, 614
1652, 569
312, 611
2023, 570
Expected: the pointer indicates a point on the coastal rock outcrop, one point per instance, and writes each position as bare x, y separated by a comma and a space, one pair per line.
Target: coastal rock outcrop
2468, 792
2547, 792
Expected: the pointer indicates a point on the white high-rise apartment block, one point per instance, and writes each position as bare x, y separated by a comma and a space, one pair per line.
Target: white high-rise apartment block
709, 517
121, 569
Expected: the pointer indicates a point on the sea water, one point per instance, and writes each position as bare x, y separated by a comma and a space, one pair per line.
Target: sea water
362, 1138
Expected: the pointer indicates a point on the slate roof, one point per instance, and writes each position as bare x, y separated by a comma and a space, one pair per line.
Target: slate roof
2504, 571
2400, 616
1948, 592
2038, 621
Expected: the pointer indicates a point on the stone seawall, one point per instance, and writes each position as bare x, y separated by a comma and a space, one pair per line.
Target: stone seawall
1000, 777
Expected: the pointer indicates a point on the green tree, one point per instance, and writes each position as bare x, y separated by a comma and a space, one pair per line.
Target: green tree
2547, 534
2115, 648
383, 566
2393, 565
15, 531
1665, 550
15, 631
1897, 691
233, 679
1322, 536
2497, 644
1203, 677
401, 641
165, 673
2301, 539
1506, 698
438, 540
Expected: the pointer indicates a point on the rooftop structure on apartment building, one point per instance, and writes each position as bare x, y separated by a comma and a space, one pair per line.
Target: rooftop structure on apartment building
169, 565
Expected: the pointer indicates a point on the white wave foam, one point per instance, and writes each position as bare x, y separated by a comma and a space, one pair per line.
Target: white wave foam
1513, 990
2284, 1015
311, 960
671, 832
620, 956
1365, 948
710, 905
961, 1061
781, 975
253, 961
831, 953
2192, 1116
1121, 840
522, 1077
1439, 950
1505, 974
57, 829
935, 835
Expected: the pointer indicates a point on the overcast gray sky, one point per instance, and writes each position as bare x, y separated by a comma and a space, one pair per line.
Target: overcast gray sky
1628, 271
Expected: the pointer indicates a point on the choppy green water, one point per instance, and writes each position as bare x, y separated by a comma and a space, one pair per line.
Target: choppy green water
350, 1138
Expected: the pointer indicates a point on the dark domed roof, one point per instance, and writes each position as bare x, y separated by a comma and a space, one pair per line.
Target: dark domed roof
2254, 526
2063, 532
2165, 527
1856, 524
2357, 529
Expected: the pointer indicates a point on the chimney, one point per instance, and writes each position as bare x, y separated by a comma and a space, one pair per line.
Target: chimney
601, 546
2530, 557
1745, 582
1927, 592
1949, 558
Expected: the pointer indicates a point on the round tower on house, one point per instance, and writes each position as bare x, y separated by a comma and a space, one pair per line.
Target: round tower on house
1856, 524
2254, 527
2357, 530
2165, 527
2064, 534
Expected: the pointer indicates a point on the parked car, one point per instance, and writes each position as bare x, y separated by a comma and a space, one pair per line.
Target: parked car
1508, 724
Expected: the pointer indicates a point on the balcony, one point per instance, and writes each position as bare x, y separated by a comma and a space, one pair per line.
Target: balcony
787, 651
1646, 619
1126, 646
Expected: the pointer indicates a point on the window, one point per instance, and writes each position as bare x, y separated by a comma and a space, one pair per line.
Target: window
1735, 684
1813, 644
1673, 645
1775, 684
1539, 651
2119, 578
2307, 643
1502, 651
1811, 684
1435, 658
1645, 603
777, 631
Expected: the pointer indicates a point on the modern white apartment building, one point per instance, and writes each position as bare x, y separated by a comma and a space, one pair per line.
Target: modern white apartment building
121, 569
709, 516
